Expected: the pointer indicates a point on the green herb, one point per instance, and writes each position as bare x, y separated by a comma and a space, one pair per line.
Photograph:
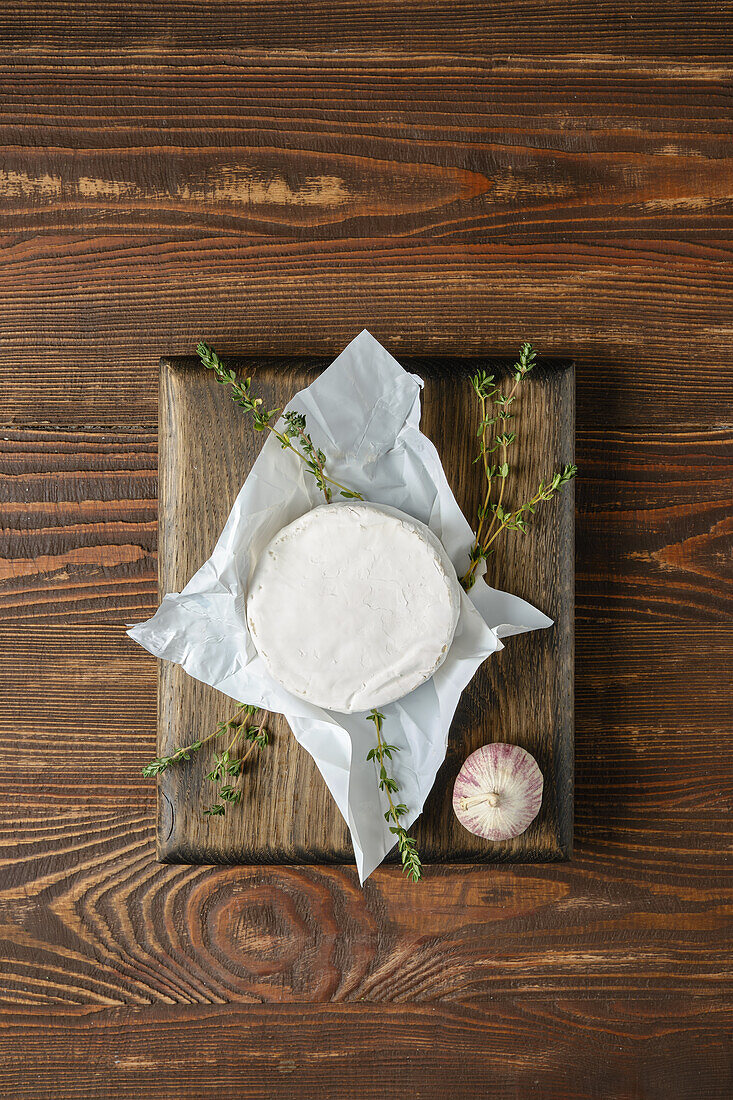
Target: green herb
494, 437
227, 767
162, 763
294, 431
406, 846
225, 763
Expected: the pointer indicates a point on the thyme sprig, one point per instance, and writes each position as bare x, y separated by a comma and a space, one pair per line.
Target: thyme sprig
228, 767
162, 763
516, 521
406, 845
499, 439
226, 764
294, 431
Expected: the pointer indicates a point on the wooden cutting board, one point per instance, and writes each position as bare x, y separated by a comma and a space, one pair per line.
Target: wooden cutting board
523, 694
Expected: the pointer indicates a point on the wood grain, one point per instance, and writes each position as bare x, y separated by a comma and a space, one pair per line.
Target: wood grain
275, 178
207, 449
449, 203
79, 532
630, 28
648, 158
102, 924
621, 1047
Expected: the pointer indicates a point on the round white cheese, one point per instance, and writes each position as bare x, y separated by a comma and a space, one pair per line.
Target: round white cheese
353, 606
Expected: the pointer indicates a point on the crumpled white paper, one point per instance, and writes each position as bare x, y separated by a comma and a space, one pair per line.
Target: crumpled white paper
364, 413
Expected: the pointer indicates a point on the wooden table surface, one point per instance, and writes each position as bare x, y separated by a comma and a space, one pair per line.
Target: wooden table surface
456, 178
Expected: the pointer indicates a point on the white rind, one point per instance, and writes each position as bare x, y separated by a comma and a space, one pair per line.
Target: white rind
353, 606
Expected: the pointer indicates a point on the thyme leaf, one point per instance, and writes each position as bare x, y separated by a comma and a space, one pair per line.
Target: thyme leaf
292, 436
227, 767
493, 518
406, 845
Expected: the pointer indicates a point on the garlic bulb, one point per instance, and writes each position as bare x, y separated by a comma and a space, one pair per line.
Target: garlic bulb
498, 791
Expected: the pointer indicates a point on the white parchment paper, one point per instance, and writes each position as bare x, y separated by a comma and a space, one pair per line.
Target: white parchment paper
364, 413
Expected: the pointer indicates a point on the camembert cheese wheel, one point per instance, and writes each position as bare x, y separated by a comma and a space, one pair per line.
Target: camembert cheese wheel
353, 605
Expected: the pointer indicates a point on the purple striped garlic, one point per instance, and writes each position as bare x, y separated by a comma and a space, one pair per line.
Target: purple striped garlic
498, 791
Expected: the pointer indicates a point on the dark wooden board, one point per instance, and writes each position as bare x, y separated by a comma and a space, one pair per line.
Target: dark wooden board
497, 190
523, 695
607, 29
629, 1051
